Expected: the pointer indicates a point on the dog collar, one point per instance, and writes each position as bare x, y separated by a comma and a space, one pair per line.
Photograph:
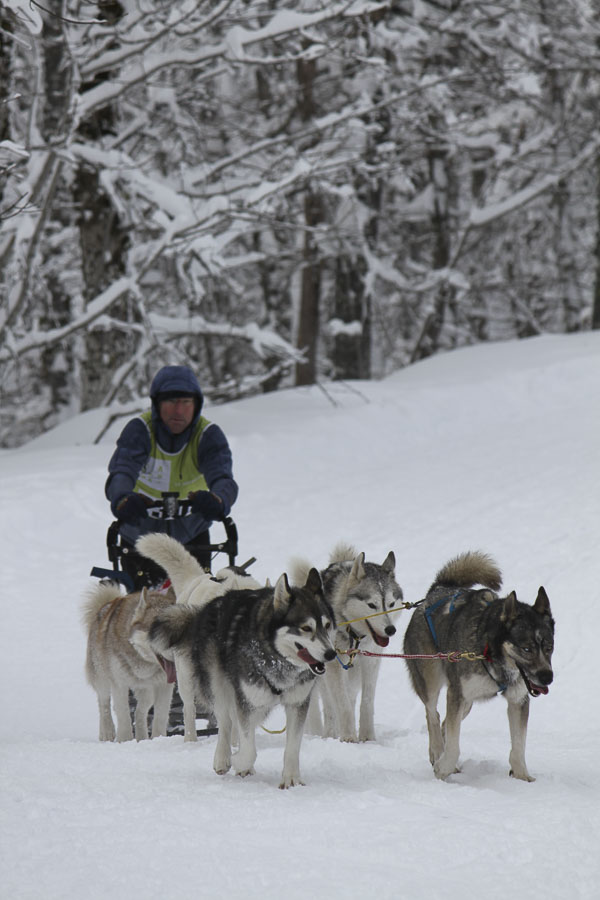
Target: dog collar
353, 638
487, 656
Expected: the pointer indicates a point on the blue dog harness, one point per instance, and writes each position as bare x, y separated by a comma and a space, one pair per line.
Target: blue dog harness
429, 611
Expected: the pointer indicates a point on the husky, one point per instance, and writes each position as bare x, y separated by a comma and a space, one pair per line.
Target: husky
195, 587
249, 650
120, 659
515, 640
355, 589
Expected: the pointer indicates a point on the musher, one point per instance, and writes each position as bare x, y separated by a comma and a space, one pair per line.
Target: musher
170, 447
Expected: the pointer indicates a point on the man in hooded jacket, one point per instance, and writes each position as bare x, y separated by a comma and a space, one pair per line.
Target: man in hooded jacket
170, 447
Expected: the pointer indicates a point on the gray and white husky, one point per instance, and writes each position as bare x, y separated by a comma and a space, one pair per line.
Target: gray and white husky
120, 659
355, 589
515, 640
193, 586
248, 651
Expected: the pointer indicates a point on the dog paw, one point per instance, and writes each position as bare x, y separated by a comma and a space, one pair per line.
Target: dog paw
222, 765
522, 776
444, 771
243, 773
292, 781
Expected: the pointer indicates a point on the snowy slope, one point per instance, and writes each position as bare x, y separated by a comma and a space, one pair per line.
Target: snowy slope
493, 447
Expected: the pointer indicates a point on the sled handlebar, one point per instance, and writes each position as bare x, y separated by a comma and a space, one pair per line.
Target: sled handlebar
169, 507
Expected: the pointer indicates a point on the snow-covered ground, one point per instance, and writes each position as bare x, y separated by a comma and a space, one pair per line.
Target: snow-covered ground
495, 447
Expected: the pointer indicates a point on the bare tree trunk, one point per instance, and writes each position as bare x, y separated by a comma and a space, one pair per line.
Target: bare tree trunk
310, 293
103, 244
596, 307
351, 342
351, 339
57, 362
428, 340
307, 332
5, 72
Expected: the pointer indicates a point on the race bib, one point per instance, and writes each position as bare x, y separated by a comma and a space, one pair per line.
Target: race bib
156, 474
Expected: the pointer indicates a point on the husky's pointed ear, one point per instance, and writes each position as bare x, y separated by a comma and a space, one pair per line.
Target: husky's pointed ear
389, 563
268, 583
542, 603
282, 594
509, 610
357, 572
140, 608
313, 582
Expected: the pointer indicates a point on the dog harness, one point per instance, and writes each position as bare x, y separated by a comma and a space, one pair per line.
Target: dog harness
429, 611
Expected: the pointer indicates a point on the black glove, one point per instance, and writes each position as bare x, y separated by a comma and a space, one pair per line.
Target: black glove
208, 505
131, 508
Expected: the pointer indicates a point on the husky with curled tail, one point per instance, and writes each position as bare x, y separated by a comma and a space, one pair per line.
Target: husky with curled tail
514, 641
355, 588
194, 587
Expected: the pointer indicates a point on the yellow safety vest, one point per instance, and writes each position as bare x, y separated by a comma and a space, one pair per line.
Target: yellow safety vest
164, 471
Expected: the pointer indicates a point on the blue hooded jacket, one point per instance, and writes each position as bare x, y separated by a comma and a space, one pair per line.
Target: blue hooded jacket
214, 459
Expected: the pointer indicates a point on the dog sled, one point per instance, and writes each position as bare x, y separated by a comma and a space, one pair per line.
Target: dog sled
135, 572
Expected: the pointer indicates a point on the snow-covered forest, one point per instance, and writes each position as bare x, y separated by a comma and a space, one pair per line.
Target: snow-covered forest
278, 193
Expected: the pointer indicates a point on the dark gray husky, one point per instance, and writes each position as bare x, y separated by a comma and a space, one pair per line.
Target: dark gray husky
248, 651
515, 640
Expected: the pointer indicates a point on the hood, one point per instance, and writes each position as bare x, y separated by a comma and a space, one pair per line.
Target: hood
176, 378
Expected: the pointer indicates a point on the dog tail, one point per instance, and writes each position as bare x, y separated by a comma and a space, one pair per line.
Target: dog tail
468, 569
171, 555
343, 552
96, 599
169, 627
298, 569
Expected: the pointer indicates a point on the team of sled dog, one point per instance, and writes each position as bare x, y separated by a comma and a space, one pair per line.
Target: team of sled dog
240, 648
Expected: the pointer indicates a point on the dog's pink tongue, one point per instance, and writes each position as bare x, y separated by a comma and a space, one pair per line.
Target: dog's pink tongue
382, 640
307, 658
539, 689
169, 668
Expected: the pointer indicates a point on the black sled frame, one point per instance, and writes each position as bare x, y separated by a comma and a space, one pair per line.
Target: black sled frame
146, 572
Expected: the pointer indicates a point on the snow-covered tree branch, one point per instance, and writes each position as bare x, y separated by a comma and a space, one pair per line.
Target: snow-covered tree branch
280, 191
